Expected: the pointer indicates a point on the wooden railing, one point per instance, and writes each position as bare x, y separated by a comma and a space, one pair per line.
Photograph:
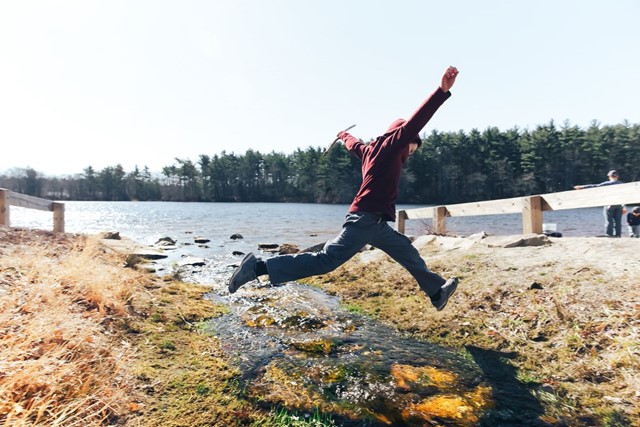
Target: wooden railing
531, 207
10, 198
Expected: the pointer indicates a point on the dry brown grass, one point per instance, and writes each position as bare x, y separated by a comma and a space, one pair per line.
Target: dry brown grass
60, 362
88, 342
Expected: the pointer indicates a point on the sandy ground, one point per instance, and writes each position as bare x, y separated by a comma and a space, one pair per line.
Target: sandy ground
616, 257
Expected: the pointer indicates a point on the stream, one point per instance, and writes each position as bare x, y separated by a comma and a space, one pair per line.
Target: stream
299, 348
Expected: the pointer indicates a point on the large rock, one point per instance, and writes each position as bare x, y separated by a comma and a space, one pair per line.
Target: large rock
191, 260
129, 247
110, 235
165, 241
516, 241
268, 247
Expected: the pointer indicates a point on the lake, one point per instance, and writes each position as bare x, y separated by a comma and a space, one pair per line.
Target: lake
297, 223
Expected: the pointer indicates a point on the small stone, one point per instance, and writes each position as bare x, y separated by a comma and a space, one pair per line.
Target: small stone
193, 261
288, 248
165, 241
111, 235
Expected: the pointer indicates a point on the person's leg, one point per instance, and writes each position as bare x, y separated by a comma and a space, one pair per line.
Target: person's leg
356, 232
635, 230
608, 217
399, 247
617, 218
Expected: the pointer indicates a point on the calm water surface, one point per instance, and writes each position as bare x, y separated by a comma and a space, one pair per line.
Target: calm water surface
302, 224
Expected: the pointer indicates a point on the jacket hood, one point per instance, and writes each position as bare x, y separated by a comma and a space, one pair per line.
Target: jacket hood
399, 123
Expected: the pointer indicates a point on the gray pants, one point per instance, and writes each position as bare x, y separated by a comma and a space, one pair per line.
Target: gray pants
613, 218
359, 229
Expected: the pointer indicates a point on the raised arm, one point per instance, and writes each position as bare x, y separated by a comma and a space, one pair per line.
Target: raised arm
423, 114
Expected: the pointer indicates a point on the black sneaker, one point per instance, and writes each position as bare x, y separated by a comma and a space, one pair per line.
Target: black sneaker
245, 272
447, 290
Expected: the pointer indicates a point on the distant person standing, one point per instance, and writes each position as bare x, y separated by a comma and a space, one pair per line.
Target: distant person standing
633, 220
612, 213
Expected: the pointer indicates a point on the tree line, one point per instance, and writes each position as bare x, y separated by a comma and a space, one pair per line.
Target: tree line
450, 167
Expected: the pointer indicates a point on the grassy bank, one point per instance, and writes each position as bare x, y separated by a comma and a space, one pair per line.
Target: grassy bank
88, 342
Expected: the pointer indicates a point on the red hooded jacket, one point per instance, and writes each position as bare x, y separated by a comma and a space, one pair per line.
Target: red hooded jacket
383, 159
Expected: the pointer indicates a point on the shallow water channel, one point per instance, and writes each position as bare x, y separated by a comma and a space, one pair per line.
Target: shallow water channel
298, 348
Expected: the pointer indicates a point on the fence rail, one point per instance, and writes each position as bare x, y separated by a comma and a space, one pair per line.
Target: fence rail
10, 198
531, 207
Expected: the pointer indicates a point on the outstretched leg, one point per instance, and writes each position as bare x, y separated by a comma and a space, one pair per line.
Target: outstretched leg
399, 247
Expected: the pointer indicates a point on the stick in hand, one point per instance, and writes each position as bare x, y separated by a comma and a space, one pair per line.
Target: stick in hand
336, 140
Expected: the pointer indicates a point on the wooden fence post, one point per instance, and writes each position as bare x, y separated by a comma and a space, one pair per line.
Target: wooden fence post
58, 217
5, 216
439, 219
532, 215
402, 218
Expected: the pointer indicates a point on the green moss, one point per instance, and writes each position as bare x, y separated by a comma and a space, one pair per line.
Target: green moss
354, 308
281, 417
158, 317
168, 345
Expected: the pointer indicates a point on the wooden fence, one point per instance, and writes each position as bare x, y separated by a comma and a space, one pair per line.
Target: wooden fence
531, 207
10, 198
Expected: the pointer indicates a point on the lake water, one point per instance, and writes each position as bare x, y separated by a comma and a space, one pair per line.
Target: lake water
301, 224
297, 223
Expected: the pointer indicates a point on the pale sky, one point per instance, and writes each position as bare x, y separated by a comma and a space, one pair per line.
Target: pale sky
99, 83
